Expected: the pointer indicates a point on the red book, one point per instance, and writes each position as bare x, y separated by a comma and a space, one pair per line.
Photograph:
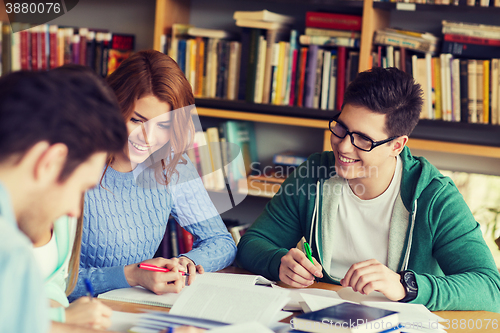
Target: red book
379, 56
25, 50
333, 21
293, 79
43, 47
341, 63
53, 46
34, 48
471, 40
83, 45
303, 56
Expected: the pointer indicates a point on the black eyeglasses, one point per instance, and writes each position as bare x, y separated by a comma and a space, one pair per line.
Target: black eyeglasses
358, 140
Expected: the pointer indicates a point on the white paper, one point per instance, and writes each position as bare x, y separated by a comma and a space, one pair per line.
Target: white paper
315, 303
123, 321
296, 299
350, 295
143, 296
253, 327
230, 304
281, 315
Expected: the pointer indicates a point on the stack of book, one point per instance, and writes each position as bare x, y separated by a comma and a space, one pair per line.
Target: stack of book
44, 47
209, 59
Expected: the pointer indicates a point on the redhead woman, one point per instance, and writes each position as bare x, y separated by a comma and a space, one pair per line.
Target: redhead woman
125, 218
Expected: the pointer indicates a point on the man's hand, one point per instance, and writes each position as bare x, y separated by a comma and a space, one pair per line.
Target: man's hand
298, 271
88, 313
371, 275
157, 282
188, 266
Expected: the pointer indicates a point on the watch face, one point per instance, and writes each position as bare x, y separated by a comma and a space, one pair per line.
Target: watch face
409, 279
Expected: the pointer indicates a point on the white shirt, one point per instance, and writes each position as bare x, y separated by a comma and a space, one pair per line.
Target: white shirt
362, 226
46, 256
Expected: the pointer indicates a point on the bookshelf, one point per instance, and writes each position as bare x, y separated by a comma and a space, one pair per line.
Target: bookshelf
469, 140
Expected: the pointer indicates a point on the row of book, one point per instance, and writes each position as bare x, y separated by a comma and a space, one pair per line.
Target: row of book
176, 241
470, 3
271, 63
455, 89
43, 47
223, 155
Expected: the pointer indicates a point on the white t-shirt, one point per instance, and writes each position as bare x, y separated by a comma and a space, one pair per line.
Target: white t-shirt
362, 226
46, 256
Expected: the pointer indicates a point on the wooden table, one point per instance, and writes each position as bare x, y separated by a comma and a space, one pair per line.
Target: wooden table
459, 321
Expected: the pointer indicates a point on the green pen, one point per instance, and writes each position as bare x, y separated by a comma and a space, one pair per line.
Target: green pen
307, 247
308, 250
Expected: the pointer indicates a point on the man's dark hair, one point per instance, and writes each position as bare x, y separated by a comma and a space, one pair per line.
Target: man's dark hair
73, 107
388, 91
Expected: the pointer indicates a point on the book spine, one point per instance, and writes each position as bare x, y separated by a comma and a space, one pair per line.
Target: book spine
293, 48
266, 89
245, 56
319, 78
90, 56
303, 66
174, 245
438, 106
293, 83
430, 98
83, 32
333, 21
331, 33
423, 46
495, 76
449, 98
464, 100
333, 82
259, 76
60, 47
35, 48
311, 76
472, 89
181, 54
180, 239
329, 41
325, 85
200, 54
68, 43
457, 111
471, 40
480, 91
466, 31
486, 91
341, 61
471, 50
75, 49
6, 49
252, 65
106, 46
274, 73
279, 74
284, 74
234, 56
193, 47
25, 50
225, 73
45, 47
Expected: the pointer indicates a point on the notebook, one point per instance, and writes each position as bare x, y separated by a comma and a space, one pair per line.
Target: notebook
346, 317
141, 295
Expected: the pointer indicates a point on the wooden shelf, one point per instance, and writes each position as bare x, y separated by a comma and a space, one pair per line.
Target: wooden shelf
454, 148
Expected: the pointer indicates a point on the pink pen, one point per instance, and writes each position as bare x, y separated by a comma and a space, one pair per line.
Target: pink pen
154, 268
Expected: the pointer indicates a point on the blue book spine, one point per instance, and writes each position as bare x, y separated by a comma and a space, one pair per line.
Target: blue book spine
181, 55
311, 76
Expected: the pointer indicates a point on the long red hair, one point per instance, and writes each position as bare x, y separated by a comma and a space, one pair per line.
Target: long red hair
151, 72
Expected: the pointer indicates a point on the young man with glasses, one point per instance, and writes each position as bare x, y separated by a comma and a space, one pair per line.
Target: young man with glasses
377, 218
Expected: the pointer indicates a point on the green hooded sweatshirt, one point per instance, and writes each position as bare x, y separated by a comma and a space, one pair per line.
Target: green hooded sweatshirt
432, 233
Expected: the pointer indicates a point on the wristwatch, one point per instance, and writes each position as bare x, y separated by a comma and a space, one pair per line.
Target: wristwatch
410, 284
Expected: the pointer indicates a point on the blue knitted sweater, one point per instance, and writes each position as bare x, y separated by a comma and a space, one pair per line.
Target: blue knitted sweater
125, 221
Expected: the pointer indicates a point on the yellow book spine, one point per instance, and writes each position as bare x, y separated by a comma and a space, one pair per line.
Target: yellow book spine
486, 91
279, 76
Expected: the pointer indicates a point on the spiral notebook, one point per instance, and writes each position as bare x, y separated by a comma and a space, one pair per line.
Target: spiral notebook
141, 295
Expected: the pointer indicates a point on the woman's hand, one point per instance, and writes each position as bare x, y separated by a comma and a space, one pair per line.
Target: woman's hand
298, 271
371, 275
157, 282
90, 313
189, 267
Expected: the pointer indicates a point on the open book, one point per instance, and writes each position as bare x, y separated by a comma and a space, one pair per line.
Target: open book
141, 295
